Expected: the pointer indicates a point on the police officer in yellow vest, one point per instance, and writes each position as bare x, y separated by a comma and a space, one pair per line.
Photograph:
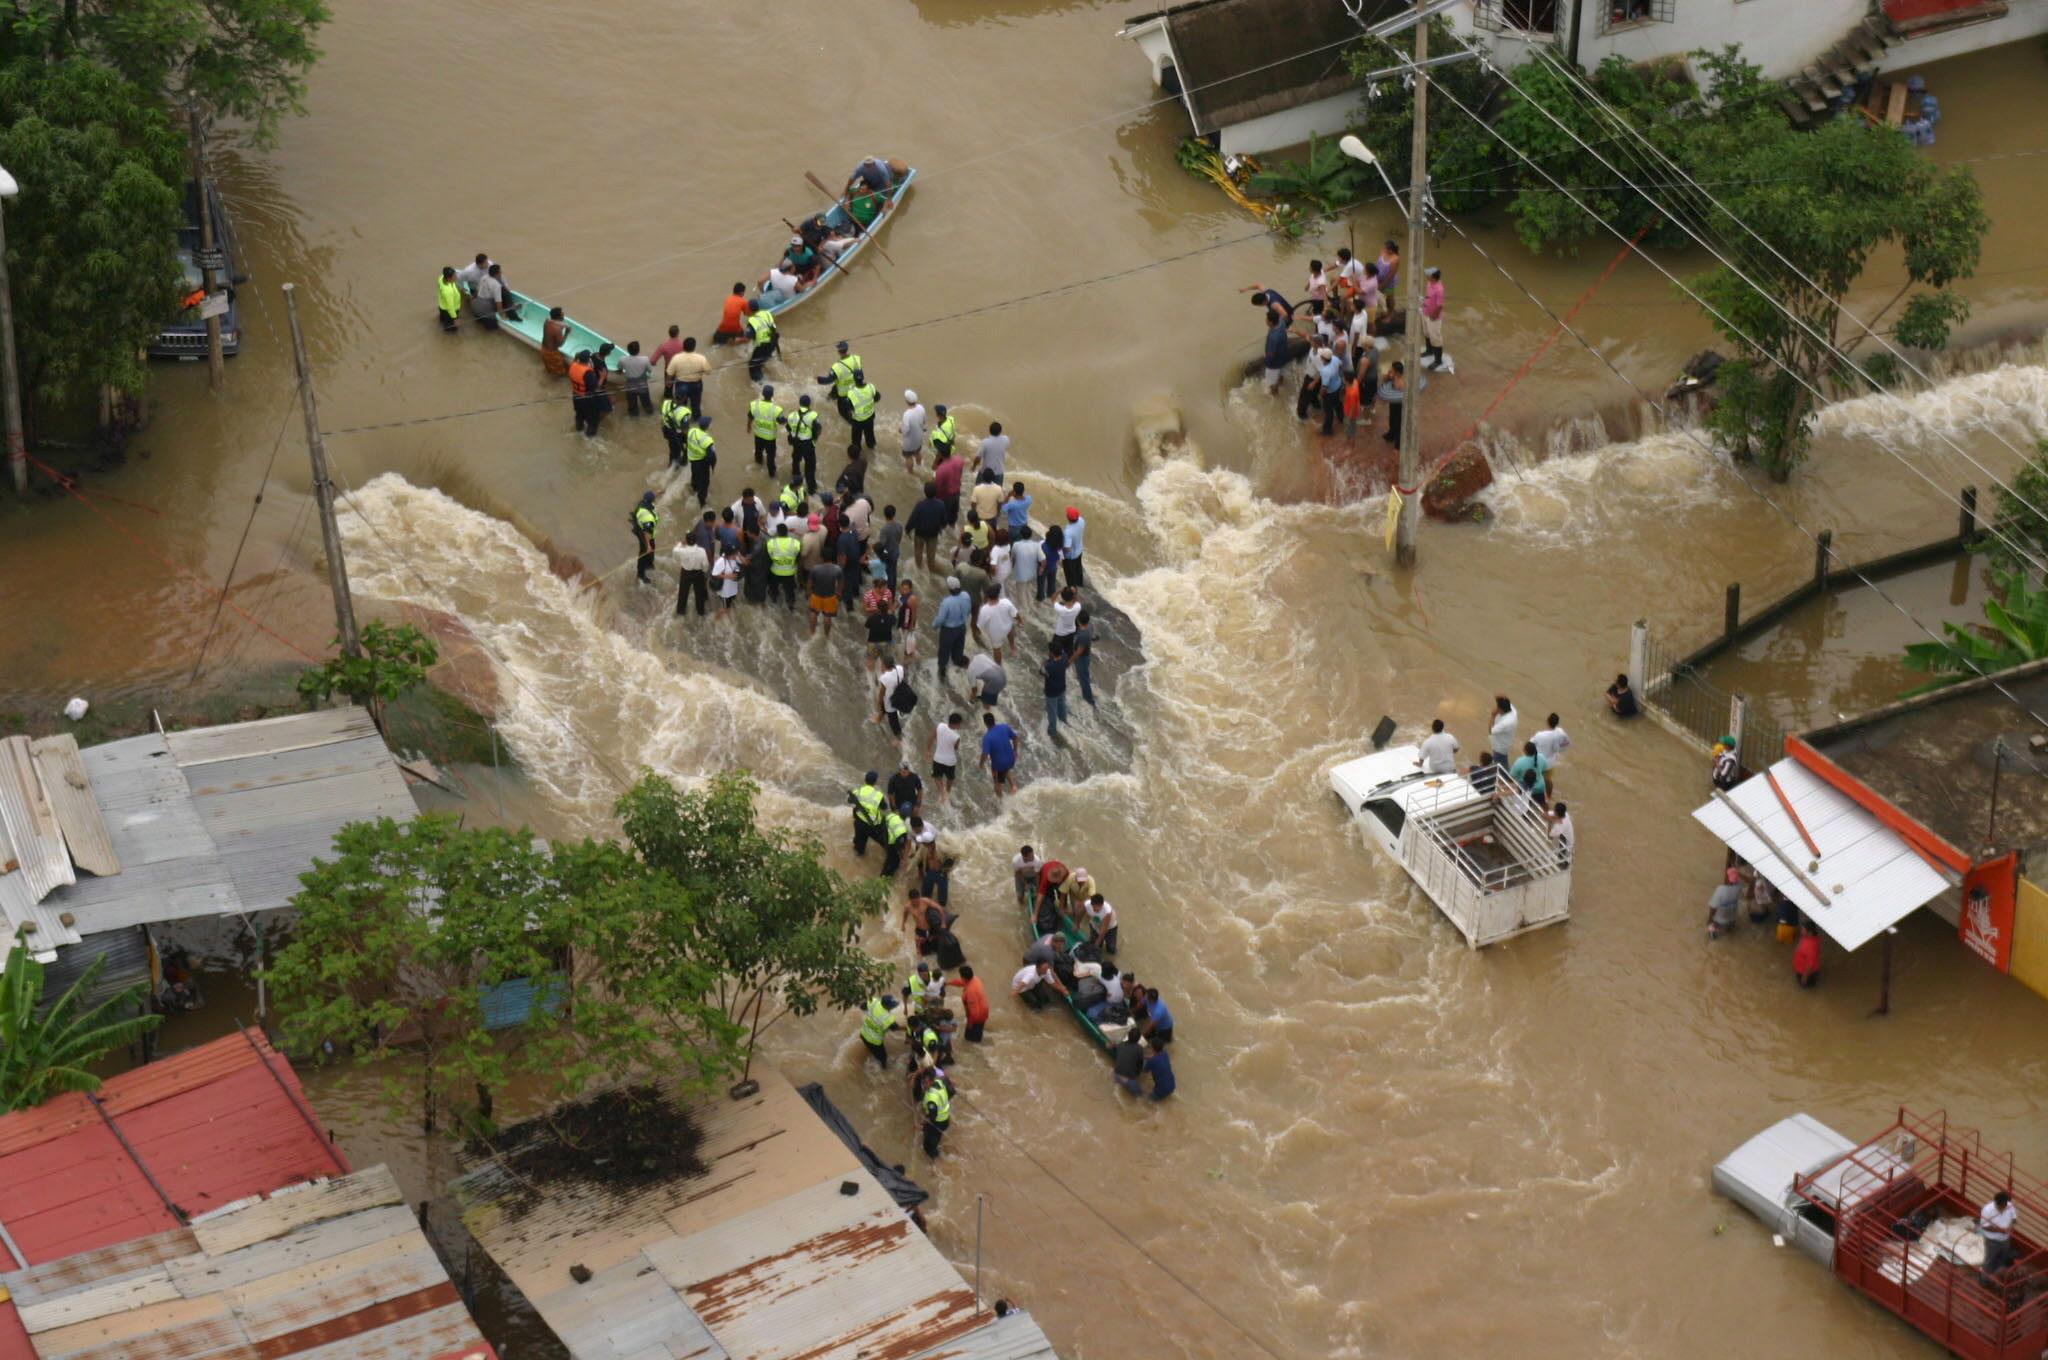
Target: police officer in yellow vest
644, 520
702, 451
803, 444
768, 417
675, 426
783, 549
921, 984
841, 376
861, 400
936, 1104
895, 840
869, 806
761, 322
877, 1019
450, 298
792, 499
943, 435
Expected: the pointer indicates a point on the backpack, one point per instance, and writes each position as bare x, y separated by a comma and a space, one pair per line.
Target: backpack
904, 698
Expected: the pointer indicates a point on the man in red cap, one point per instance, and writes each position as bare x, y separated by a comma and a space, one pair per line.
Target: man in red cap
1071, 546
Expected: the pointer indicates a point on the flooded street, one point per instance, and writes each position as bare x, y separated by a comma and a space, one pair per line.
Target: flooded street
1384, 1145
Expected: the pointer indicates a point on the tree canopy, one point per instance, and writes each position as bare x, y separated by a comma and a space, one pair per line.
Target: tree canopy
91, 240
779, 927
243, 58
47, 1050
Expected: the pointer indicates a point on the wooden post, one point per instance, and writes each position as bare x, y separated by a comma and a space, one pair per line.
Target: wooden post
1821, 546
1733, 615
1884, 984
1966, 529
1738, 721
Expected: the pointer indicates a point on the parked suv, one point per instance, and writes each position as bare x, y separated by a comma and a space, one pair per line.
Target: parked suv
184, 336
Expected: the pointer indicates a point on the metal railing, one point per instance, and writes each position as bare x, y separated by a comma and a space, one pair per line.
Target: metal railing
1688, 701
1617, 14
1512, 820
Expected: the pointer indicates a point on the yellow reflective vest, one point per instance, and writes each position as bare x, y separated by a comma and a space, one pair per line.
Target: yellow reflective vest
766, 415
644, 520
938, 1103
842, 373
451, 297
861, 401
783, 550
762, 325
945, 434
803, 425
675, 416
867, 799
700, 444
877, 1022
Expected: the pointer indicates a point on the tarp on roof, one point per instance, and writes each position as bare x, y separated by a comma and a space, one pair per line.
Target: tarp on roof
1871, 876
905, 1191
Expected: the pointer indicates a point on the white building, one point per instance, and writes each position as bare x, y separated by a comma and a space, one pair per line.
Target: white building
1255, 75
1785, 37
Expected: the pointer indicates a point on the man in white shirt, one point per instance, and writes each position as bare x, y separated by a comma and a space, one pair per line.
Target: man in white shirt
1501, 736
1036, 983
993, 454
1066, 616
1550, 744
885, 695
1026, 553
1561, 832
1996, 1222
1100, 918
472, 273
945, 757
1439, 750
993, 623
1024, 867
912, 429
696, 579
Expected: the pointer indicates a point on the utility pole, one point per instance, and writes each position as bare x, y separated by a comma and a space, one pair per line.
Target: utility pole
216, 364
1410, 475
10, 379
323, 489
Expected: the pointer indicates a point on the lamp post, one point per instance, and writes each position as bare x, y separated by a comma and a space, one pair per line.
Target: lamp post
1359, 151
10, 381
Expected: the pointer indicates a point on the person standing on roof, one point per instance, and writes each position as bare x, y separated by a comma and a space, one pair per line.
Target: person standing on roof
1439, 750
760, 323
861, 400
644, 520
879, 1017
841, 377
912, 430
732, 322
702, 452
768, 418
449, 296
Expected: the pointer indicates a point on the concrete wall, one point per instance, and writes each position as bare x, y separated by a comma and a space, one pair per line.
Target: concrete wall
2030, 937
1291, 127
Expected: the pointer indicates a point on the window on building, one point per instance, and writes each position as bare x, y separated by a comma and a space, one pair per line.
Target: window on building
1616, 14
1521, 16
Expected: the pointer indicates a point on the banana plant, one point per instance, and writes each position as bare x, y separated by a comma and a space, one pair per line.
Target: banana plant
2015, 632
46, 1050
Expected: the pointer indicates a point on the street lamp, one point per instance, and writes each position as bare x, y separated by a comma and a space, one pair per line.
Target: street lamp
1359, 151
10, 382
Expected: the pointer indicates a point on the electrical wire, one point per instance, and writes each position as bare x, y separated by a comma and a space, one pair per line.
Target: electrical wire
2018, 552
234, 562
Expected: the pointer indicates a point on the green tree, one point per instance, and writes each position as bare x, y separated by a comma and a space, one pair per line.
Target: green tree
2015, 632
45, 1050
1827, 201
780, 928
91, 241
2018, 524
246, 59
390, 662
400, 937
1465, 162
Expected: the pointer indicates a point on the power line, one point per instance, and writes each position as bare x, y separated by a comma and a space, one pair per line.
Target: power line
236, 560
1734, 329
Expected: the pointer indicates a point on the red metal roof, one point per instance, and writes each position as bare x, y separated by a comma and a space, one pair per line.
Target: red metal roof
211, 1125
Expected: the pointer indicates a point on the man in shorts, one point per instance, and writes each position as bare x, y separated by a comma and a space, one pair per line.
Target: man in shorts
824, 585
995, 621
879, 606
944, 750
999, 743
985, 680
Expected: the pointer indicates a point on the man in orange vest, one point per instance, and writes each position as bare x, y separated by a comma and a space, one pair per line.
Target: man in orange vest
586, 381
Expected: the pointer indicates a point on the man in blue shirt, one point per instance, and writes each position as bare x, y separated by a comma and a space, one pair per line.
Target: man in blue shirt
1071, 547
1161, 1068
1017, 509
1279, 351
999, 754
951, 620
1155, 1020
1332, 374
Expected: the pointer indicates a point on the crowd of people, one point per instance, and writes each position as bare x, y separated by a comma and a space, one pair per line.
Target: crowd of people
1511, 769
1347, 313
1071, 958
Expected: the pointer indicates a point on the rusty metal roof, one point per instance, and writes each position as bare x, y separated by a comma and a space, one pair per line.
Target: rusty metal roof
329, 1270
763, 1256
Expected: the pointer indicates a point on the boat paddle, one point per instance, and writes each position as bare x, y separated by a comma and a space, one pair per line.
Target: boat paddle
831, 261
858, 229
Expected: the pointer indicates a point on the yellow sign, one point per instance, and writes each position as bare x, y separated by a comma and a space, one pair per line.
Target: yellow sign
1393, 515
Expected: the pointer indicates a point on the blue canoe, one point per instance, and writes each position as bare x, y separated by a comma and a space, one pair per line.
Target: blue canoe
836, 217
533, 314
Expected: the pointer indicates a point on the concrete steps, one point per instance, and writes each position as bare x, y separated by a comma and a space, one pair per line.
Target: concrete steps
1814, 89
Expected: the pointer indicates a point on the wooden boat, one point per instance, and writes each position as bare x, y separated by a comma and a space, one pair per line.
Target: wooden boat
1073, 936
533, 314
836, 217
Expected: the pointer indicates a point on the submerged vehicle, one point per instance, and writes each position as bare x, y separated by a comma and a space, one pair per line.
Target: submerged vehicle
184, 336
1895, 1217
1487, 862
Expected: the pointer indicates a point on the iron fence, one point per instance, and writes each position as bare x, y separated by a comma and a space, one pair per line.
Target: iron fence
1702, 710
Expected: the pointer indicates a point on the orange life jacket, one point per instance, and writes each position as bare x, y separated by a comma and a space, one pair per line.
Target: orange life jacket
194, 298
579, 378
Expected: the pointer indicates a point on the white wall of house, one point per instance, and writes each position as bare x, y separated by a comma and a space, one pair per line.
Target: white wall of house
1782, 36
1291, 127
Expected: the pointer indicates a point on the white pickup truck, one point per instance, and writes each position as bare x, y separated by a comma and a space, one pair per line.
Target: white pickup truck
1488, 863
1761, 1174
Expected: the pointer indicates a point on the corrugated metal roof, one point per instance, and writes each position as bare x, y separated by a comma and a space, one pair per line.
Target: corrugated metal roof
214, 1125
33, 860
78, 816
761, 1257
334, 1271
220, 820
127, 953
1871, 876
1015, 1337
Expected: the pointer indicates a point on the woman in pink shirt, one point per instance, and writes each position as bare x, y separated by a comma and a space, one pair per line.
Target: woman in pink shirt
1433, 319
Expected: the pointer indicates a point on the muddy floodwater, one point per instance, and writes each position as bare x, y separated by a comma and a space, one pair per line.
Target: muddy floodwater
1384, 1145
